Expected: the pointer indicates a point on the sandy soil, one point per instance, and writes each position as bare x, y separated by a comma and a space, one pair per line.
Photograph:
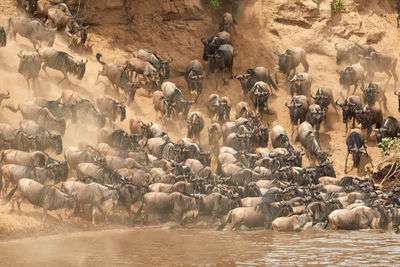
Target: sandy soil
262, 28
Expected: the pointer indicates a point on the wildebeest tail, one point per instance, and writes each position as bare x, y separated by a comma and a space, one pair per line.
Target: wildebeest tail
98, 56
223, 224
137, 214
10, 195
384, 101
11, 107
269, 79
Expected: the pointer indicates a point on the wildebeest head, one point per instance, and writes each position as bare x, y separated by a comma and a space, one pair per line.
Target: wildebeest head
29, 65
196, 81
80, 68
183, 106
205, 158
380, 134
294, 110
56, 138
364, 116
369, 93
356, 153
246, 81
193, 122
316, 116
209, 47
320, 99
212, 135
3, 37
285, 61
347, 76
347, 108
216, 61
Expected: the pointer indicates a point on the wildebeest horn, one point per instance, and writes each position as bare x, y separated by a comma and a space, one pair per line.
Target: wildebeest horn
276, 53
203, 41
289, 106
337, 100
397, 93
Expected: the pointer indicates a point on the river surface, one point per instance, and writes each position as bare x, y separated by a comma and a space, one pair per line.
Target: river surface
204, 247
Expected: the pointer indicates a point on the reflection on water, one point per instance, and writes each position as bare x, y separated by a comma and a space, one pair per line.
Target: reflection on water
203, 247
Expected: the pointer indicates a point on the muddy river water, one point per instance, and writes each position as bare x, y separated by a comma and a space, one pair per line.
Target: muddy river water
206, 247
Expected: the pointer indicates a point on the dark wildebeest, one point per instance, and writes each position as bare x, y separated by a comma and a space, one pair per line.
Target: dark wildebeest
300, 84
118, 77
315, 116
298, 109
86, 113
227, 23
47, 197
211, 45
176, 98
118, 139
251, 76
390, 128
224, 109
195, 125
161, 148
379, 62
4, 96
309, 140
3, 37
369, 116
351, 75
351, 53
62, 62
355, 142
194, 75
279, 138
111, 108
29, 67
323, 97
33, 30
45, 139
221, 59
259, 96
214, 135
58, 109
290, 60
212, 106
373, 93
350, 106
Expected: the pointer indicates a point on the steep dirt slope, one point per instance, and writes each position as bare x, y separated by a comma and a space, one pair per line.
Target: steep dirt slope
174, 29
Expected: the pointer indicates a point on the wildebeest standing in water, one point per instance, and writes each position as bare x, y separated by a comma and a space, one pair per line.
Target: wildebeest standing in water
221, 59
118, 77
62, 62
29, 67
3, 37
290, 60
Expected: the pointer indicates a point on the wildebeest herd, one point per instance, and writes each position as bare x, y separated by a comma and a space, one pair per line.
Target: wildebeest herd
165, 180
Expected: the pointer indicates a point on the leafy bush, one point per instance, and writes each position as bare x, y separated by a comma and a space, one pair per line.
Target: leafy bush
390, 145
214, 4
338, 6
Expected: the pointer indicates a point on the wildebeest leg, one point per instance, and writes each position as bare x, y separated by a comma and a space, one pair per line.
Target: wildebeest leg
388, 79
44, 69
104, 213
345, 162
93, 214
355, 88
44, 217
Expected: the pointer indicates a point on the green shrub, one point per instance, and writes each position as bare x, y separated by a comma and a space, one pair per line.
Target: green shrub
316, 2
214, 4
390, 145
338, 6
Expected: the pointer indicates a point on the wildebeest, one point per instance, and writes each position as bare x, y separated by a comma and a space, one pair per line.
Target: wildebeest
238, 141
86, 113
162, 67
243, 110
324, 97
221, 59
47, 197
350, 106
309, 140
373, 93
11, 156
369, 116
351, 53
214, 135
290, 59
315, 116
390, 128
118, 139
97, 173
227, 23
251, 76
29, 67
279, 138
216, 205
62, 62
58, 109
3, 37
118, 77
4, 96
355, 142
351, 75
379, 62
111, 108
45, 139
159, 205
194, 75
211, 45
69, 97
161, 148
31, 111
292, 223
300, 84
93, 194
33, 30
16, 139
212, 106
298, 109
144, 68
195, 125
176, 98
74, 156
360, 217
260, 93
161, 104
